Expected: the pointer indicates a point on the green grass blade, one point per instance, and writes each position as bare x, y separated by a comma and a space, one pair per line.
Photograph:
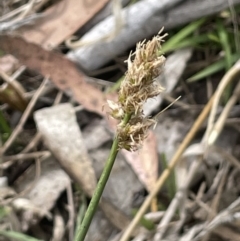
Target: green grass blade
182, 34
116, 86
226, 46
81, 212
212, 69
213, 37
4, 211
224, 40
188, 42
17, 236
176, 42
171, 182
148, 224
5, 129
4, 124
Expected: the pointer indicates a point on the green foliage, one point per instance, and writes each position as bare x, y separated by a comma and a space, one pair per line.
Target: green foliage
182, 35
81, 213
3, 212
148, 224
17, 236
216, 37
212, 69
171, 182
193, 41
224, 42
5, 129
222, 38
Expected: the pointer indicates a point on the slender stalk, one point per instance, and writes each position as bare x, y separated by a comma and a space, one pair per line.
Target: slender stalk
135, 89
100, 187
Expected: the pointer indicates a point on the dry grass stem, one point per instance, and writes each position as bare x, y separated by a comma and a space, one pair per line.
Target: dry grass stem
25, 14
218, 195
234, 161
179, 195
24, 118
218, 126
71, 211
227, 216
10, 160
228, 77
177, 201
59, 227
13, 84
18, 72
201, 204
167, 171
211, 135
35, 140
72, 43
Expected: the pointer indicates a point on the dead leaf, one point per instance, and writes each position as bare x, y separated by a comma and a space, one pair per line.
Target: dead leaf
60, 21
145, 161
48, 186
60, 70
63, 137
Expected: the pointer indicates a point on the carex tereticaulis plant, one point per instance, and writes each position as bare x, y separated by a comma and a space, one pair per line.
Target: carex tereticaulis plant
138, 85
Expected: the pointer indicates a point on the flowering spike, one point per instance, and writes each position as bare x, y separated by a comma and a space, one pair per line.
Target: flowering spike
138, 85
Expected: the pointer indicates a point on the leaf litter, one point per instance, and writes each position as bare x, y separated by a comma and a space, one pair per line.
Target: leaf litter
62, 71
79, 138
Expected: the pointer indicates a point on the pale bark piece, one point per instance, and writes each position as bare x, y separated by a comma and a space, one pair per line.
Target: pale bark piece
145, 161
60, 21
105, 12
135, 28
44, 191
63, 138
142, 20
96, 134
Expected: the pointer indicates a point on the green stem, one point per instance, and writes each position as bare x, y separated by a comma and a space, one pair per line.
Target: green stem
100, 187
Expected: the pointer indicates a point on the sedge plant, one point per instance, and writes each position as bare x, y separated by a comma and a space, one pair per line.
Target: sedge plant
138, 85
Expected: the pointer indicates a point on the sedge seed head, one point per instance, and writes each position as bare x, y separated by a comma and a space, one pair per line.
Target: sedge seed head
138, 85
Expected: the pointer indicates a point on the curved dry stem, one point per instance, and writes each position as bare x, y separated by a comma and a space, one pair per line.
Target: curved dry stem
217, 128
228, 77
167, 171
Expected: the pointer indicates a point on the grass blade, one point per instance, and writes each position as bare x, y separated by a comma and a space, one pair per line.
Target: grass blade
212, 69
188, 42
17, 236
182, 34
171, 182
148, 224
224, 40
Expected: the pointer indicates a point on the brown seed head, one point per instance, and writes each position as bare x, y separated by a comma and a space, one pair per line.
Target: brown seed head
138, 85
